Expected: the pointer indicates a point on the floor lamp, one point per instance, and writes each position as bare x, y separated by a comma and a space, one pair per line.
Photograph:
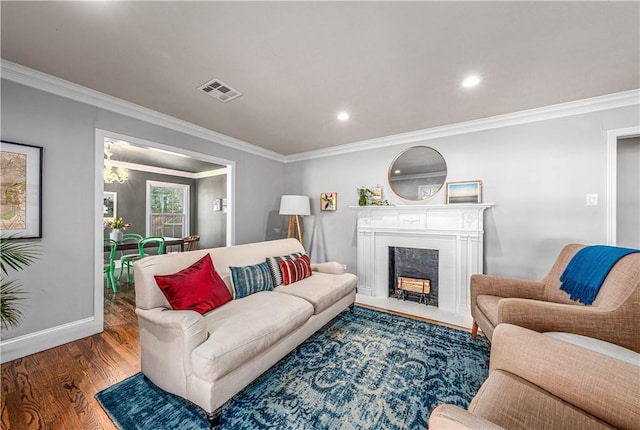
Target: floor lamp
295, 207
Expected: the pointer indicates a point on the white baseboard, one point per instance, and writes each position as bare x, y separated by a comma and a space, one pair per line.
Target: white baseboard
31, 343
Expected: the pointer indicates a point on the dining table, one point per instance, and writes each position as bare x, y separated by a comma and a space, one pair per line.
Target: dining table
168, 241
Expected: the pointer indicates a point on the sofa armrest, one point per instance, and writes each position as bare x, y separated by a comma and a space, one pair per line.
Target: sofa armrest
167, 339
504, 287
602, 386
332, 267
451, 417
589, 321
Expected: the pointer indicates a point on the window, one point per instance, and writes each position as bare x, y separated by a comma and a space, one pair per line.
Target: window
167, 209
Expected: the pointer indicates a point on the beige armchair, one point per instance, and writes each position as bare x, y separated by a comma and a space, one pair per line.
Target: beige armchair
539, 382
543, 307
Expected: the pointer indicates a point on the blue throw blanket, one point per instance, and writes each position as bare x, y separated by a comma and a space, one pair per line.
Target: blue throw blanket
588, 269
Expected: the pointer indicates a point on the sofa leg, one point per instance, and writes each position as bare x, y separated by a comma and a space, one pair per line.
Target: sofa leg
214, 419
352, 307
474, 331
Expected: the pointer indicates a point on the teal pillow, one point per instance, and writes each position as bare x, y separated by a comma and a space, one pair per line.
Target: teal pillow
251, 279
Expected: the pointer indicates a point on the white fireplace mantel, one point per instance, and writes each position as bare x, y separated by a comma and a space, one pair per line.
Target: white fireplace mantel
455, 230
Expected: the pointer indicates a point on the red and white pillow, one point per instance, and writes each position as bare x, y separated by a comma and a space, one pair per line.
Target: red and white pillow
295, 270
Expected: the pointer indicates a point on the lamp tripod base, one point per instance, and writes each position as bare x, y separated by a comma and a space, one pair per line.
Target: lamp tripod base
295, 228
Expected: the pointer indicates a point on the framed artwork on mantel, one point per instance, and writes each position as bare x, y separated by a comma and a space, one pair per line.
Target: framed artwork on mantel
464, 192
329, 201
20, 190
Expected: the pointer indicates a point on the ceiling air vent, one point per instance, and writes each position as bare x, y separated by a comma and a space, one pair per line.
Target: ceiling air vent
219, 90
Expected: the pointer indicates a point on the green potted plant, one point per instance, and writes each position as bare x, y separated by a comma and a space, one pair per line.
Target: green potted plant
365, 196
14, 255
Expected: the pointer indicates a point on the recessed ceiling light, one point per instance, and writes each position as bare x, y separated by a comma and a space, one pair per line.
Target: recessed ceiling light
343, 116
471, 81
396, 172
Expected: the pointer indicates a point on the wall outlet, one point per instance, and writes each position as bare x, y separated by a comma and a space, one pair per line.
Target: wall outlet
592, 200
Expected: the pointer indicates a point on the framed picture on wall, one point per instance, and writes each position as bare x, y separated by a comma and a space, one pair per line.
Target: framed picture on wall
110, 207
464, 192
328, 201
20, 190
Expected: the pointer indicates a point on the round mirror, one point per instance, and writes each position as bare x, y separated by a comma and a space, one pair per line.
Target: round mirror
418, 173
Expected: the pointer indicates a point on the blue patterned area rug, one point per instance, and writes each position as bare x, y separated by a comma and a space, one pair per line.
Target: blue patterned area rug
363, 370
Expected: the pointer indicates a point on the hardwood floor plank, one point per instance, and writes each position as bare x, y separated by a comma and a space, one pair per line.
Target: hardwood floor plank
55, 389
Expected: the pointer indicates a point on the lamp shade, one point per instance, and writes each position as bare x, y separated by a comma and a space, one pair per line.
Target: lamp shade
294, 205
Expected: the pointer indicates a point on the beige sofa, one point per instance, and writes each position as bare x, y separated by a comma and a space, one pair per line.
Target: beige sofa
537, 381
209, 358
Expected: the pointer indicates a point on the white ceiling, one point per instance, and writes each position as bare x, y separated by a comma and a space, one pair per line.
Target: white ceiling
395, 66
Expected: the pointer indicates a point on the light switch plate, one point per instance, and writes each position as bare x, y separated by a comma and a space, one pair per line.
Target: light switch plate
592, 200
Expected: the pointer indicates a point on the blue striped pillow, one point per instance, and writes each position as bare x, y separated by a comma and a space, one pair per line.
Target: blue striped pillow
251, 279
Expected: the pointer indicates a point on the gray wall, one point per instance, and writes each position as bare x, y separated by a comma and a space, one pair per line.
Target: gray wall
132, 199
536, 174
61, 284
211, 224
628, 203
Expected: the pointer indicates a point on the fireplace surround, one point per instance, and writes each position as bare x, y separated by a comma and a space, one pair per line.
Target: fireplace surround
456, 231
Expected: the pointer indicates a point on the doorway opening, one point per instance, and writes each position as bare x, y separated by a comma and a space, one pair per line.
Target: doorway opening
623, 195
157, 187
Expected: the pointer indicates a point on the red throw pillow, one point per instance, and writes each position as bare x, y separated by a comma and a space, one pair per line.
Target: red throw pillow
198, 287
295, 270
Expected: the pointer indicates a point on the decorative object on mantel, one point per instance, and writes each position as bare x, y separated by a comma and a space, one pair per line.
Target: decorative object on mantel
371, 196
464, 192
328, 201
21, 190
120, 175
117, 228
417, 173
295, 207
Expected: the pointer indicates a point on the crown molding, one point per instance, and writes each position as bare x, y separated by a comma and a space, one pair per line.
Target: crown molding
610, 101
169, 172
42, 81
33, 78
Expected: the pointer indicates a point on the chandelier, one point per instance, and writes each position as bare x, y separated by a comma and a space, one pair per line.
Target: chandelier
119, 175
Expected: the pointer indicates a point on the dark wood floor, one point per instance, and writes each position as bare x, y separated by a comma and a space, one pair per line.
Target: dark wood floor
55, 389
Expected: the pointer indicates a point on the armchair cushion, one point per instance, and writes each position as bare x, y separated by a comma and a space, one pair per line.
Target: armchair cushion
198, 287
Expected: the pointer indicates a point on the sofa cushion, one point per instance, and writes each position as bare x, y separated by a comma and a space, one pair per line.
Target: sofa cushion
248, 280
513, 403
322, 289
245, 328
489, 307
198, 287
274, 266
295, 270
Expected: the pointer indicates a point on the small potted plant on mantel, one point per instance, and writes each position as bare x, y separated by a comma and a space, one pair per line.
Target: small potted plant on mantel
366, 198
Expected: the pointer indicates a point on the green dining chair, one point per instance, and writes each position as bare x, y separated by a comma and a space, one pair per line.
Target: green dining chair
142, 243
109, 264
128, 259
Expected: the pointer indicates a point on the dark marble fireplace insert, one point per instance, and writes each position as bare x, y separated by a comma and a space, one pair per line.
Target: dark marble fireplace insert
414, 263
